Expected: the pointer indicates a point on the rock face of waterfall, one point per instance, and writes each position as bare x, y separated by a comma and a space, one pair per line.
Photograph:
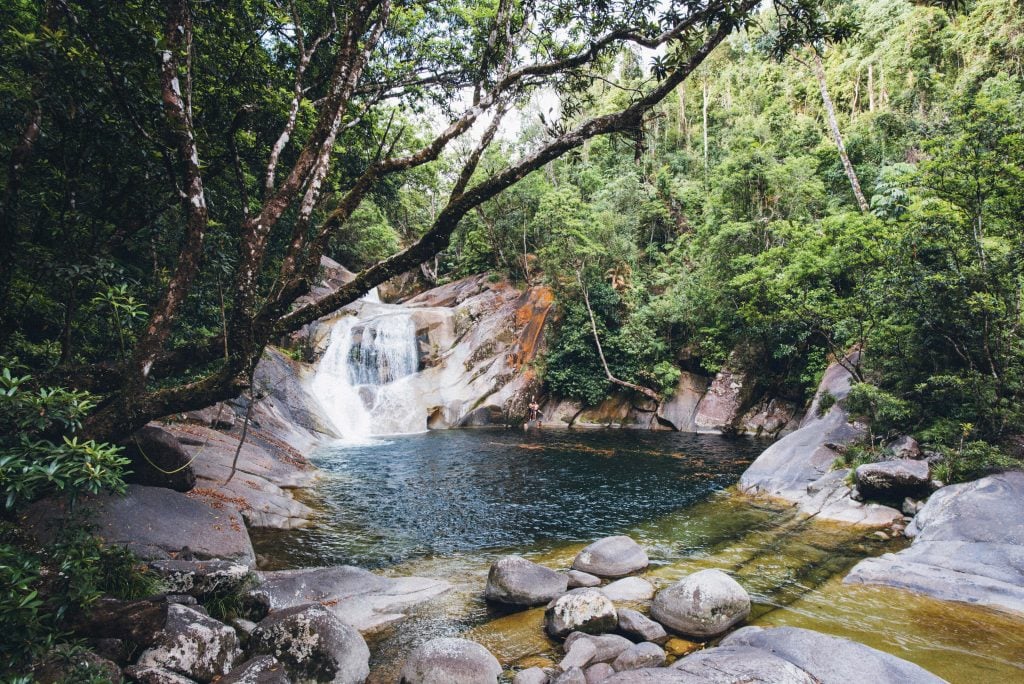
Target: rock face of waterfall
458, 355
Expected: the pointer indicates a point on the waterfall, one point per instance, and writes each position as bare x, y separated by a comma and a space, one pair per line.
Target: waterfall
366, 378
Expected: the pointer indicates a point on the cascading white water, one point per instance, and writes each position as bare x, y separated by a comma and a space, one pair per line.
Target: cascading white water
365, 380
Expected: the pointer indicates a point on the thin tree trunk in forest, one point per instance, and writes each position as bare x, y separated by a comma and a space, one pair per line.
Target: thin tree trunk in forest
833, 123
871, 88
646, 391
704, 111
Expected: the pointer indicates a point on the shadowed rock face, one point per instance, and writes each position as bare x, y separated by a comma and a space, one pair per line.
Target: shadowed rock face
968, 546
797, 468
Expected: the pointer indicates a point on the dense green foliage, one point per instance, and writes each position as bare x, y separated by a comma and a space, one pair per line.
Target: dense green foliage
751, 252
41, 587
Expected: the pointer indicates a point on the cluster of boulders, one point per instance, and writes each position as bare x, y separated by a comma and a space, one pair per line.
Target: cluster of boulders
288, 626
603, 640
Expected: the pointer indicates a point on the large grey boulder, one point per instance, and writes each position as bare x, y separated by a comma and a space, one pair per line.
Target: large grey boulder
358, 597
519, 582
893, 480
968, 546
192, 644
639, 627
607, 646
158, 460
313, 645
829, 659
450, 661
637, 656
702, 605
797, 468
611, 557
739, 665
155, 523
580, 610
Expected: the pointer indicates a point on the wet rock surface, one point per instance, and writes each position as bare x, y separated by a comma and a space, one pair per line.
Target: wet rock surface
639, 627
968, 546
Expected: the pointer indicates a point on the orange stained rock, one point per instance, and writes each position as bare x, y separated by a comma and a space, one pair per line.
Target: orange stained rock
531, 314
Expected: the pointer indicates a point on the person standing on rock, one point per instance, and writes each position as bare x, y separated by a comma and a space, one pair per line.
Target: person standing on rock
535, 414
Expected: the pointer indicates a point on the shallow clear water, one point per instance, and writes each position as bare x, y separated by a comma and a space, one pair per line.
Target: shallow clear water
447, 504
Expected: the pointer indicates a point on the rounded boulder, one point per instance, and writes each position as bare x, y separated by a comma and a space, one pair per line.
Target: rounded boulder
611, 557
313, 644
450, 661
516, 581
702, 605
581, 610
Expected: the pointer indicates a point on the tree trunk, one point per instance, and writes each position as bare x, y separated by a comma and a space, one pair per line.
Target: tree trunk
833, 123
704, 113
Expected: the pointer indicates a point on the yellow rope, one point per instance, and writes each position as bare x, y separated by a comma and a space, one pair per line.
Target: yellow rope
190, 461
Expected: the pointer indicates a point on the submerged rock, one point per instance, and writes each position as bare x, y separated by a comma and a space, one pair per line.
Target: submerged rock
611, 557
450, 661
580, 610
968, 546
519, 582
193, 644
313, 645
703, 605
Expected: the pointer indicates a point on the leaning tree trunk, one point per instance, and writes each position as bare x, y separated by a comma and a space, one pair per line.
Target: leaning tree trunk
833, 123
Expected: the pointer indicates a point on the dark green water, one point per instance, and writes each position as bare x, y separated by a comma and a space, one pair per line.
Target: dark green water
448, 492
